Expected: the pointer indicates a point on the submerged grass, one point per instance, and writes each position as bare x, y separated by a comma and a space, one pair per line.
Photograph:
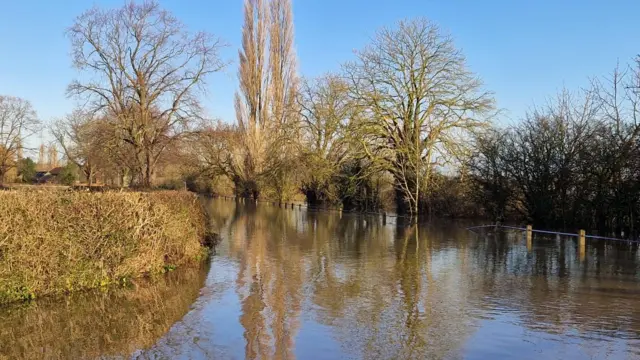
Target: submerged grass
60, 241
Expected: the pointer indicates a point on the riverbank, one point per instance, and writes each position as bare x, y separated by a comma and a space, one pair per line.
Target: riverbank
54, 242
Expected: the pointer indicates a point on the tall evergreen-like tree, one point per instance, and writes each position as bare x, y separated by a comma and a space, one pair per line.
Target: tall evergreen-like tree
265, 104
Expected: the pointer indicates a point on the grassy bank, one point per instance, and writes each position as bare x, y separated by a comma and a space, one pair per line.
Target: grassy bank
60, 241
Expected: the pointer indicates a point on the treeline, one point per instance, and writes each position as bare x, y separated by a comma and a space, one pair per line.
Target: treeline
572, 164
405, 126
372, 134
140, 75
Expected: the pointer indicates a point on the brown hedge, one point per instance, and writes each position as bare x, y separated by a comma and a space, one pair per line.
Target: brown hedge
59, 241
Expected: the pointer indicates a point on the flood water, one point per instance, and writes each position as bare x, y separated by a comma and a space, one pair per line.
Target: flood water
292, 283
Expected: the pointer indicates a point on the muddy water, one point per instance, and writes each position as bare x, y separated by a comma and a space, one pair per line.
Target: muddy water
318, 285
99, 324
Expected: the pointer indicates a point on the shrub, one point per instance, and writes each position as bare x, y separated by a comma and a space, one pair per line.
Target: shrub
68, 175
172, 184
59, 241
27, 170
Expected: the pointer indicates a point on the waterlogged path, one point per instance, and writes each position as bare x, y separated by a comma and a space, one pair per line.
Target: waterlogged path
316, 285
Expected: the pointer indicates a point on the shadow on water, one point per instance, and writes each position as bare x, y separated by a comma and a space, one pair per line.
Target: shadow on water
292, 283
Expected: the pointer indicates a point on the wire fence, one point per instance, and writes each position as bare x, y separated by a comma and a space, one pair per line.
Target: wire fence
393, 215
596, 237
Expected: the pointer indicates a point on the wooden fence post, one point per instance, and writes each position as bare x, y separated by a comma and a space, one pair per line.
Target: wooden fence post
582, 242
529, 237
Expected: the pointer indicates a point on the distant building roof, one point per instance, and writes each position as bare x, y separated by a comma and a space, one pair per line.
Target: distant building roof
56, 171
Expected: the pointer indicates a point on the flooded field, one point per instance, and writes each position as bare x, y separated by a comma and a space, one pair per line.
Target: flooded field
292, 283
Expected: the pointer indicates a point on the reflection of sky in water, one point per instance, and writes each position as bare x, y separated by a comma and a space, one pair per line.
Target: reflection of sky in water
504, 336
315, 341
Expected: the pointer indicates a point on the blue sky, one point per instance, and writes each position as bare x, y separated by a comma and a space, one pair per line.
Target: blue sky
525, 51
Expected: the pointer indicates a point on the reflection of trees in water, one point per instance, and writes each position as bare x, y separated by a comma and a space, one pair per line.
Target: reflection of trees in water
416, 292
219, 216
417, 307
553, 291
93, 324
269, 281
373, 284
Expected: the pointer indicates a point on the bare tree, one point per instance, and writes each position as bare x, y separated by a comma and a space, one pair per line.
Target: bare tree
252, 101
281, 154
266, 102
213, 149
612, 158
489, 173
41, 155
326, 111
420, 102
18, 121
146, 72
541, 155
282, 62
78, 135
52, 156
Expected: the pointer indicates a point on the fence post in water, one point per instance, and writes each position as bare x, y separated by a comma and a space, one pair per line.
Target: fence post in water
582, 244
384, 218
529, 237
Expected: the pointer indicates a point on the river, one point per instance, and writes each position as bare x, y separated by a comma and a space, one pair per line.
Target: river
292, 283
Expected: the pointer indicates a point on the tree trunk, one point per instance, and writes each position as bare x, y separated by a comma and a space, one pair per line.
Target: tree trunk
403, 206
148, 172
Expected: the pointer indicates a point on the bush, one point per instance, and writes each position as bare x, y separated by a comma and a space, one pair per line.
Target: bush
173, 184
60, 241
68, 175
27, 170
